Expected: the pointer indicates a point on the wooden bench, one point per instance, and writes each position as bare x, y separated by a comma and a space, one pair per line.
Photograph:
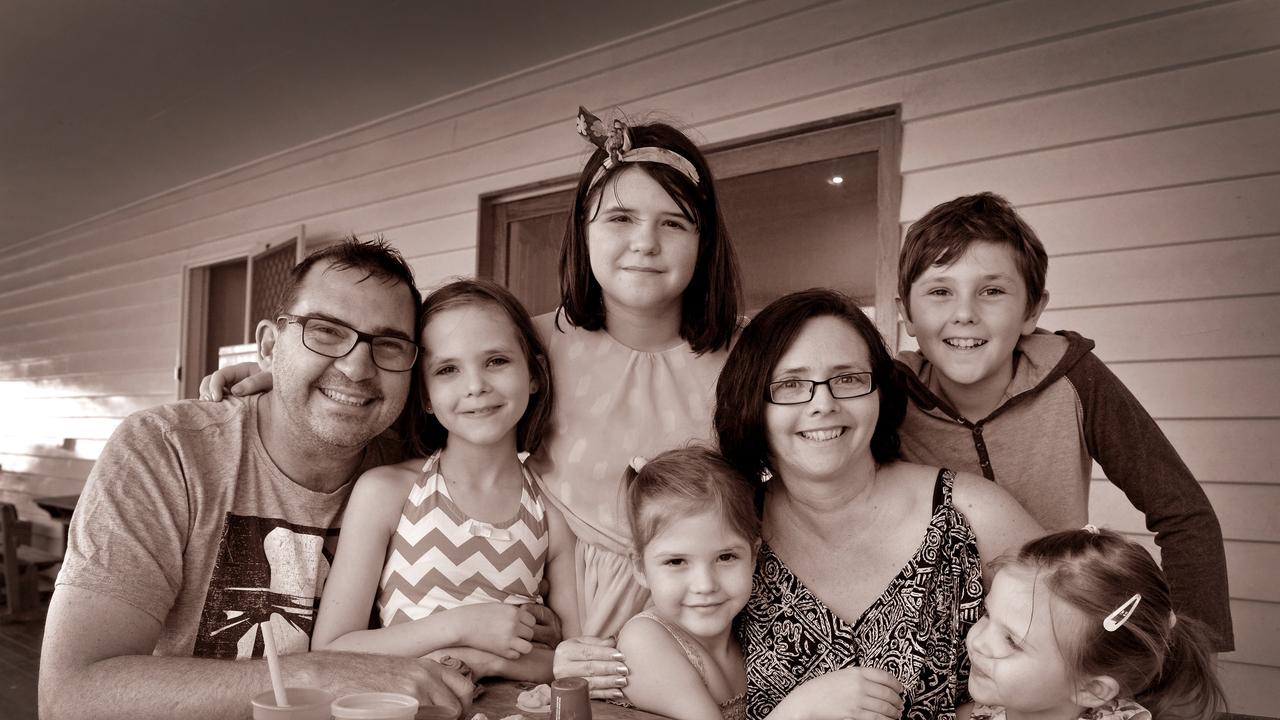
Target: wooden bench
22, 566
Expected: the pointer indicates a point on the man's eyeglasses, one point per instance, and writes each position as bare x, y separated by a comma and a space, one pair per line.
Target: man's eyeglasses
842, 387
333, 339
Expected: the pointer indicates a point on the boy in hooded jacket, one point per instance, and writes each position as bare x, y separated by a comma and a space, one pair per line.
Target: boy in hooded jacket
1031, 410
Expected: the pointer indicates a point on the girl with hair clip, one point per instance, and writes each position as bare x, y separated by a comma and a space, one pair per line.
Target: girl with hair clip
452, 545
649, 306
1079, 625
695, 534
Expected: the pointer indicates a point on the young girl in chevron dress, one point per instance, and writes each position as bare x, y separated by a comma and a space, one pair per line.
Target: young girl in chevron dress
455, 544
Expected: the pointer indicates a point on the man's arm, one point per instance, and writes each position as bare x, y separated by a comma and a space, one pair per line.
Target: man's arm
97, 662
1141, 461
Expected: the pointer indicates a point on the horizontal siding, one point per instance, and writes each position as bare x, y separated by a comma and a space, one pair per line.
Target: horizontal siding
1180, 329
1137, 136
1250, 688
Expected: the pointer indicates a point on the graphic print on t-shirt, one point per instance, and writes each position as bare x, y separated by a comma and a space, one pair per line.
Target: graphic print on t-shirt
267, 569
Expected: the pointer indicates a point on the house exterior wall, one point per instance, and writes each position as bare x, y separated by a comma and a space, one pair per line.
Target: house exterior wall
1137, 136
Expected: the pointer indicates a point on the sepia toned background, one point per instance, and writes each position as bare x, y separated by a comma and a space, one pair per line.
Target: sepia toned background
1138, 137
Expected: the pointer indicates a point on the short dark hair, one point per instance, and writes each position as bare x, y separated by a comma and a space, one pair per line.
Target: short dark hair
425, 433
683, 482
375, 258
947, 231
743, 385
709, 307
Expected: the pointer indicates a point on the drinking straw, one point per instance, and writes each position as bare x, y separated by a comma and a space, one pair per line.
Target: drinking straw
273, 664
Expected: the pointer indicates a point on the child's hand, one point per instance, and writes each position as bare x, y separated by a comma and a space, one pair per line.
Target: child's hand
547, 631
242, 379
504, 630
860, 693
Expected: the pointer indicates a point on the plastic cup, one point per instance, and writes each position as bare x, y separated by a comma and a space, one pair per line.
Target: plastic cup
570, 699
436, 712
304, 704
375, 706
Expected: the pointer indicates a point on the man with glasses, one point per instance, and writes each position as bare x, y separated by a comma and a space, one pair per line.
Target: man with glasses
202, 521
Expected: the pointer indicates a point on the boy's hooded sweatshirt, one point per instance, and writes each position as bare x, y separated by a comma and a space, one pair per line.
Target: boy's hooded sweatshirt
1063, 410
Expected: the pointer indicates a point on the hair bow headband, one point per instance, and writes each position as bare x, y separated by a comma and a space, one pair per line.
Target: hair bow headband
616, 142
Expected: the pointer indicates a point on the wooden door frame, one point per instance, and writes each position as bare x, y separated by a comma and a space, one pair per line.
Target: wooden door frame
878, 131
194, 312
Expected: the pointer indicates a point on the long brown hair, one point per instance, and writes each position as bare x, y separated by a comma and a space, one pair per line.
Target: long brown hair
424, 432
710, 303
1159, 659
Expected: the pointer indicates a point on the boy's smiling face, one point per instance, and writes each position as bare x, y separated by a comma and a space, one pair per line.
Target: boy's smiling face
967, 318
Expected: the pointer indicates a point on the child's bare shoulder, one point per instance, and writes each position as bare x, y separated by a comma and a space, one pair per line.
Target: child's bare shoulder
389, 478
646, 636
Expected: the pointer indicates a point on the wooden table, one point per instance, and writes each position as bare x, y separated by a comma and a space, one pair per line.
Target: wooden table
499, 701
60, 508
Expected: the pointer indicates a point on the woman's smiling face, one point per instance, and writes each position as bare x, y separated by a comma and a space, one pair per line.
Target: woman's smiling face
825, 437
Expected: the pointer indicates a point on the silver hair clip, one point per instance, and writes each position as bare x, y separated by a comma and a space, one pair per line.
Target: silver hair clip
637, 463
1090, 528
1120, 615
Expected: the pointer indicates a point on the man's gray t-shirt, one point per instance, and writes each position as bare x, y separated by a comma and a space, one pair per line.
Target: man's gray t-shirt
186, 518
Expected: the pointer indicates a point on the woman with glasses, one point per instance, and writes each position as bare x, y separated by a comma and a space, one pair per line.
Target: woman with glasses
871, 570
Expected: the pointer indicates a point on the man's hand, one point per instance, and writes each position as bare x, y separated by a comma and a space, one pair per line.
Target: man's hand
345, 673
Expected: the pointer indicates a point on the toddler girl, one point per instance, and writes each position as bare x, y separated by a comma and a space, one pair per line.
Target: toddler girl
455, 542
1079, 625
695, 535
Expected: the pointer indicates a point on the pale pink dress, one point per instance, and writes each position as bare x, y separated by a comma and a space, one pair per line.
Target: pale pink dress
612, 404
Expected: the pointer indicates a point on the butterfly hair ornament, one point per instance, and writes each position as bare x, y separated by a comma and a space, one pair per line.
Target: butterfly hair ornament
615, 140
1120, 615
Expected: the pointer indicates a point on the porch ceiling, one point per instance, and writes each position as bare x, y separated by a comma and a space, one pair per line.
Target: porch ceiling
106, 103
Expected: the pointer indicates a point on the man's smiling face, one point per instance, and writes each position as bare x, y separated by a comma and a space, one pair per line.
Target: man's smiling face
347, 401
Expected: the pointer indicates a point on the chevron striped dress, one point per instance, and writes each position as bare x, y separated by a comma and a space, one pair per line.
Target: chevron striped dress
439, 558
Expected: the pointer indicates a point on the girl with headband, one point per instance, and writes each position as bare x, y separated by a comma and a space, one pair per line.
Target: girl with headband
650, 296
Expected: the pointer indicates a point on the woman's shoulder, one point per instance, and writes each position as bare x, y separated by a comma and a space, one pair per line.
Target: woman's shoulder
913, 481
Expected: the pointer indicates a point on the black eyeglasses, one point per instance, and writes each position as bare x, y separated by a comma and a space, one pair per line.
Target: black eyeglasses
333, 339
842, 387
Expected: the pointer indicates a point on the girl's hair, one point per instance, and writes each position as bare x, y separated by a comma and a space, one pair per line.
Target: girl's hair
426, 434
683, 482
742, 391
1159, 659
709, 309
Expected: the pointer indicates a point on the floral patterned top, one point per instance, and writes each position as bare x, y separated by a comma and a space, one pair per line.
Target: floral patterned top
915, 629
1115, 710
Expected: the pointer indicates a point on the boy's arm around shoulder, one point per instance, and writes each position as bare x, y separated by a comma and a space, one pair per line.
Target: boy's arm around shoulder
999, 522
1140, 460
661, 679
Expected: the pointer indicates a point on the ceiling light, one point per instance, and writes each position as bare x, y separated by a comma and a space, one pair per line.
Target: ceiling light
836, 180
